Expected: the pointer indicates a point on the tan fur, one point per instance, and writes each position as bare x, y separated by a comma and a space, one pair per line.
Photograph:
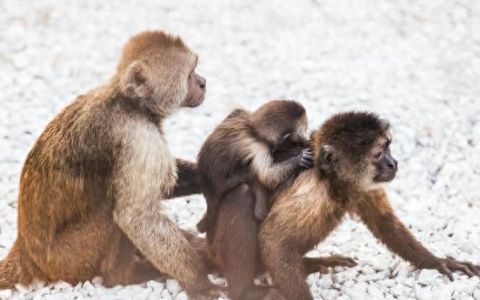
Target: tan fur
267, 172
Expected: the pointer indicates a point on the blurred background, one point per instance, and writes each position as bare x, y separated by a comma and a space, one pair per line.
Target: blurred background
416, 63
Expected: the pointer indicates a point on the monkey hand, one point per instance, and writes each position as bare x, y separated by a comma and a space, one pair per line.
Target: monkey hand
306, 158
448, 265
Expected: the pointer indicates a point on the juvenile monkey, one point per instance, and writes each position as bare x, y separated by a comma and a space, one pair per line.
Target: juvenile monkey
351, 157
91, 187
242, 161
262, 148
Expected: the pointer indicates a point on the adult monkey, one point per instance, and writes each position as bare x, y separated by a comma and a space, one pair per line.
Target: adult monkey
93, 183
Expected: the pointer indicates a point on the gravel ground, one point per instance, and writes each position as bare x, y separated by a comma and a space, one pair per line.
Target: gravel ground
416, 63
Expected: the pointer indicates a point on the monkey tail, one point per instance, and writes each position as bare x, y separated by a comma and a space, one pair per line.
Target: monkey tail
9, 272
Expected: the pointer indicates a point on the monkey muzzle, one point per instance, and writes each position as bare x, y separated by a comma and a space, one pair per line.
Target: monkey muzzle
386, 169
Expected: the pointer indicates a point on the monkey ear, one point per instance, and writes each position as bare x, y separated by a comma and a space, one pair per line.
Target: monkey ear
326, 158
134, 82
326, 153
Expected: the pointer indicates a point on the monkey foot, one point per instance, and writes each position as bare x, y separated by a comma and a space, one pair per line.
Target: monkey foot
448, 265
321, 264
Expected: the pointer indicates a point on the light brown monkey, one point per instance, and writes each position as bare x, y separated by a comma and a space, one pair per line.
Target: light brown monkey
241, 163
351, 157
91, 188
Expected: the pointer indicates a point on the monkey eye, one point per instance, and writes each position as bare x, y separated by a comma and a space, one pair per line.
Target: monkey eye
286, 137
377, 155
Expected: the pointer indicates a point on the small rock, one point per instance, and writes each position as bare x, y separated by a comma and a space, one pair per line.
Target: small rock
374, 291
166, 295
5, 294
173, 287
427, 276
181, 296
324, 282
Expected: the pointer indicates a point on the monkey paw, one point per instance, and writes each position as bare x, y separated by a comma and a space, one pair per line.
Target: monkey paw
306, 158
448, 265
321, 264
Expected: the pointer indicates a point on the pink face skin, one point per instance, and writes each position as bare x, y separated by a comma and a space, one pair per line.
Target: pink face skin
197, 86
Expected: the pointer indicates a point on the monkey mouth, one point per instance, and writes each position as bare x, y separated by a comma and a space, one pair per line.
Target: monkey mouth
384, 177
194, 102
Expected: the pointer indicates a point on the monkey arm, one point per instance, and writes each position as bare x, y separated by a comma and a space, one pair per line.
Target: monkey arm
259, 192
140, 180
286, 159
213, 199
282, 259
187, 181
378, 215
376, 212
272, 173
261, 200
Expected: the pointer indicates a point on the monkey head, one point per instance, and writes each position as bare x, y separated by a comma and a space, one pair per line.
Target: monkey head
355, 148
157, 71
280, 123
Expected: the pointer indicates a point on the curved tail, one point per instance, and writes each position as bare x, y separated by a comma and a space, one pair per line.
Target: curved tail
9, 272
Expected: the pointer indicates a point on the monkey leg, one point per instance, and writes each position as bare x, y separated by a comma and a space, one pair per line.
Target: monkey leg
121, 266
200, 245
321, 264
17, 267
261, 200
74, 253
235, 245
283, 262
163, 243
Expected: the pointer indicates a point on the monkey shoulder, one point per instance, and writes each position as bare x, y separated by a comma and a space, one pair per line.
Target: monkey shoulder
229, 141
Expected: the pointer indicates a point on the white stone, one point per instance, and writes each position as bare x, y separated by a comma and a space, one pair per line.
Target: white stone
5, 294
166, 295
414, 63
181, 296
427, 276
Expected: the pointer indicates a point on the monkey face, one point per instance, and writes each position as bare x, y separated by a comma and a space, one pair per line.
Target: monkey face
384, 165
197, 86
291, 145
355, 148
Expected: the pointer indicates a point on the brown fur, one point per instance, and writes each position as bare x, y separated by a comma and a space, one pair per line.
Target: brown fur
91, 186
307, 211
240, 164
234, 248
240, 150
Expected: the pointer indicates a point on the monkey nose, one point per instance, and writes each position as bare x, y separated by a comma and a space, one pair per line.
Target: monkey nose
392, 163
202, 82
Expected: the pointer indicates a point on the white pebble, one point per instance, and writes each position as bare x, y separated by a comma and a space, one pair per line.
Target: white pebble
5, 294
